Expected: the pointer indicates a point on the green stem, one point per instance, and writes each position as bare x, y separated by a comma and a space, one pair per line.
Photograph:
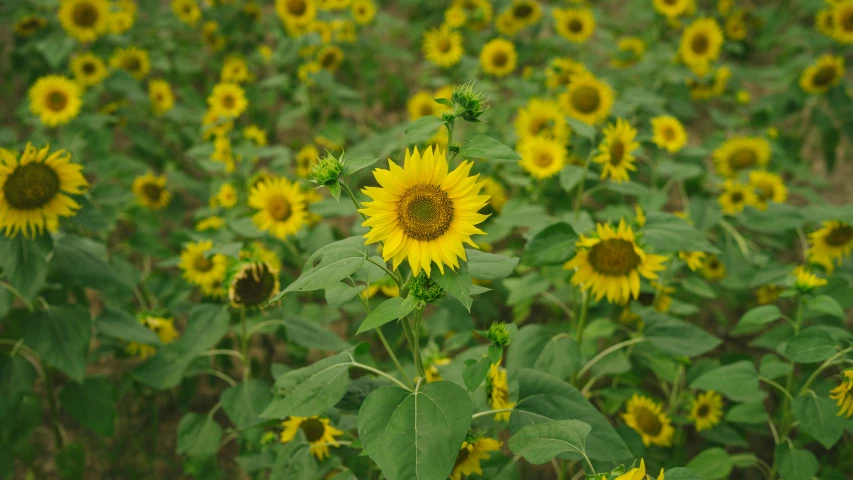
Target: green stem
490, 412
579, 195
393, 357
582, 316
355, 201
673, 398
416, 348
789, 384
778, 387
244, 346
607, 352
829, 362
51, 405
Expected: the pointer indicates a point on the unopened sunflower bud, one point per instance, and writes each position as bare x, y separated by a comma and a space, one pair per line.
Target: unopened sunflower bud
499, 334
469, 102
326, 170
425, 289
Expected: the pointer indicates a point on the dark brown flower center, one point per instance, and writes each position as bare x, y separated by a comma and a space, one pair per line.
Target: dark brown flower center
297, 7
824, 76
253, 285
88, 68
613, 257
31, 186
425, 212
461, 457
57, 100
575, 25
703, 410
840, 236
329, 59
202, 263
500, 59
668, 133
543, 159
133, 64
444, 44
279, 208
700, 44
743, 157
152, 191
586, 99
846, 21
228, 101
85, 15
765, 190
736, 197
617, 153
522, 11
648, 422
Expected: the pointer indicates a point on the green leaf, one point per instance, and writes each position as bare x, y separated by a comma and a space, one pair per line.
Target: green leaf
311, 390
773, 367
817, 417
667, 233
749, 413
489, 266
570, 175
228, 249
482, 146
679, 170
415, 434
812, 345
387, 311
56, 49
244, 402
475, 372
71, 462
457, 283
583, 129
778, 218
555, 244
198, 435
91, 403
334, 262
675, 337
543, 398
422, 128
826, 305
293, 461
82, 261
23, 263
681, 473
340, 293
352, 165
311, 334
536, 347
60, 335
699, 287
737, 381
541, 442
120, 324
795, 464
711, 464
754, 319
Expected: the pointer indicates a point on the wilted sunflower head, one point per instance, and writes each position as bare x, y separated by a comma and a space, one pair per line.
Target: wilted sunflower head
252, 284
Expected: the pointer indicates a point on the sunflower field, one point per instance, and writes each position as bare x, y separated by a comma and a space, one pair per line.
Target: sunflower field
426, 239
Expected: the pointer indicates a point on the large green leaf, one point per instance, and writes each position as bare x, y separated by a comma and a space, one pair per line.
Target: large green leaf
711, 464
91, 403
489, 266
812, 345
482, 146
120, 324
667, 233
329, 265
24, 263
553, 245
387, 311
82, 261
311, 390
817, 417
311, 334
677, 337
737, 381
541, 442
457, 283
538, 348
415, 434
198, 435
794, 463
422, 128
756, 318
60, 335
244, 402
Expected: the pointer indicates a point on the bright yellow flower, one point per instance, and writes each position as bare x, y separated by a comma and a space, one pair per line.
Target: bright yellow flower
228, 100
132, 60
648, 419
707, 410
210, 223
150, 191
741, 153
843, 394
560, 72
700, 45
226, 196
713, 269
806, 281
296, 12
542, 118
84, 20
574, 24
235, 70
281, 207
201, 268
162, 98
736, 196
470, 455
616, 151
832, 243
768, 187
631, 50
257, 135
443, 46
668, 133
587, 99
498, 57
163, 327
497, 392
541, 157
88, 69
824, 74
187, 11
363, 11
672, 8
318, 432
55, 99
842, 17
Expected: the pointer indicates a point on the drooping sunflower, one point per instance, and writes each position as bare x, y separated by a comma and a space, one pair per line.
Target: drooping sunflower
630, 50
611, 262
707, 410
363, 11
541, 157
256, 135
210, 223
498, 57
163, 327
700, 45
228, 100
672, 8
132, 60
252, 284
736, 196
55, 99
542, 118
741, 153
470, 454
587, 99
281, 207
694, 260
497, 392
647, 418
832, 243
187, 11
560, 72
84, 20
824, 74
616, 151
574, 24
668, 133
318, 432
235, 70
35, 189
843, 394
161, 96
842, 16
27, 26
423, 213
150, 191
768, 187
296, 12
88, 69
226, 196
330, 57
443, 46
202, 269
713, 268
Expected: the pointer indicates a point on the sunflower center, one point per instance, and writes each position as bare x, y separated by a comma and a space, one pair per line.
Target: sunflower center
133, 64
444, 44
426, 110
840, 236
499, 59
313, 429
743, 158
613, 257
279, 208
824, 76
736, 197
152, 191
648, 422
670, 2
31, 186
646, 298
765, 191
57, 100
88, 68
85, 15
228, 101
713, 264
328, 59
543, 159
703, 411
700, 44
617, 153
425, 212
846, 22
253, 286
668, 134
522, 11
575, 25
202, 264
540, 124
297, 7
586, 99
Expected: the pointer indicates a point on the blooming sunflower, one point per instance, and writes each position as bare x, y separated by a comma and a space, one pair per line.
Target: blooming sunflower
824, 23
700, 45
281, 207
470, 455
187, 11
318, 432
587, 99
210, 223
843, 394
560, 72
694, 260
201, 268
122, 16
831, 243
150, 191
842, 16
330, 57
132, 60
610, 264
252, 284
616, 151
736, 196
256, 135
630, 51
228, 100
29, 25
84, 20
423, 213
363, 11
498, 57
713, 269
497, 392
163, 327
647, 418
768, 187
672, 8
88, 69
767, 294
707, 409
542, 118
826, 72
525, 12
668, 133
574, 24
712, 86
443, 46
422, 104
296, 12
507, 25
227, 195
35, 189
235, 70
162, 98
55, 99
741, 153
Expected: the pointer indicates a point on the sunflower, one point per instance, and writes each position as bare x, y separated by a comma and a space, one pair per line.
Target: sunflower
805, 280
843, 394
477, 12
29, 25
631, 50
496, 192
211, 37
700, 45
431, 372
122, 16
525, 12
574, 24
187, 11
767, 294
84, 20
616, 151
610, 264
387, 285
587, 99
319, 434
470, 455
307, 155
824, 23
150, 191
542, 118
330, 57
832, 243
507, 25
498, 57
713, 269
35, 189
668, 133
235, 70
363, 11
842, 15
201, 268
210, 223
228, 100
672, 8
638, 473
768, 187
560, 72
707, 409
252, 284
443, 46
826, 72
423, 213
281, 207
741, 153
736, 196
163, 327
497, 392
694, 260
541, 157
132, 60
88, 69
647, 418
713, 86
256, 135
55, 99
227, 195
161, 96
296, 12
223, 153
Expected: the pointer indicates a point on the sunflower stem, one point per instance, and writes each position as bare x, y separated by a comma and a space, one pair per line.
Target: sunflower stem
244, 346
582, 316
355, 201
789, 384
388, 346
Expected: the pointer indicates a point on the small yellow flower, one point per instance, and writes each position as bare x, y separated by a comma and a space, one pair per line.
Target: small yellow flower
668, 133
150, 191
807, 281
498, 57
707, 410
443, 46
162, 98
542, 157
227, 195
497, 392
318, 432
713, 269
163, 327
132, 60
210, 223
647, 418
469, 457
55, 99
736, 196
616, 151
574, 24
257, 135
88, 68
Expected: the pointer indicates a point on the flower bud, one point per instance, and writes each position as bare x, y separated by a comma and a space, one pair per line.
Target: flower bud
326, 170
499, 334
468, 102
425, 289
